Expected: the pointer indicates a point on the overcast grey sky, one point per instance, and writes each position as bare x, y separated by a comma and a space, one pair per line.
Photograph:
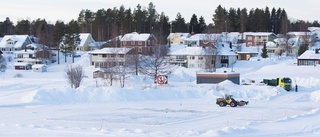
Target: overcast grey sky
65, 10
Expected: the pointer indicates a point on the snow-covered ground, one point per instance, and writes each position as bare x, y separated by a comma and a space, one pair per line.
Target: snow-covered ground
43, 104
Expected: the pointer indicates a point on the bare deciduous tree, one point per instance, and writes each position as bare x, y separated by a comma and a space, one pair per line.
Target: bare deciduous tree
156, 64
110, 75
3, 63
210, 42
74, 75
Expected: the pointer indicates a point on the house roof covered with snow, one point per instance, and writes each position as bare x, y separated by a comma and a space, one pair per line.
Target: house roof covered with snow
134, 36
84, 37
182, 35
39, 65
192, 51
299, 33
252, 49
198, 37
18, 41
258, 33
111, 51
312, 29
223, 50
309, 54
28, 51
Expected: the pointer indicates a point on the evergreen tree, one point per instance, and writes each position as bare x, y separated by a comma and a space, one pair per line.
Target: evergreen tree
302, 49
128, 22
152, 17
264, 51
139, 17
278, 21
267, 20
273, 20
58, 32
251, 21
233, 21
179, 24
243, 20
238, 20
71, 39
193, 25
219, 19
6, 27
164, 26
99, 27
23, 27
284, 22
202, 25
120, 18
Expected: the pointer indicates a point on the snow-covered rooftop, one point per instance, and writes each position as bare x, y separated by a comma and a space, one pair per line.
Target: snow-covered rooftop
258, 33
309, 54
28, 51
111, 51
182, 35
134, 36
189, 51
84, 37
197, 37
17, 39
299, 33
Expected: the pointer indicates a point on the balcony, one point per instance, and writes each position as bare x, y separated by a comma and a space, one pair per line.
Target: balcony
178, 61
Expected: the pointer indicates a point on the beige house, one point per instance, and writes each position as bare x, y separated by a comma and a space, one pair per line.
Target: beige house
110, 57
177, 38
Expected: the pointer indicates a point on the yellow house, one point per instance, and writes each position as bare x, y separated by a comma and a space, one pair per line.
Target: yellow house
177, 38
86, 42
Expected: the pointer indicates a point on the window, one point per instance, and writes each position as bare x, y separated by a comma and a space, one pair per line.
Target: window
200, 58
139, 49
181, 57
132, 42
20, 56
121, 63
191, 65
191, 57
148, 42
10, 42
249, 37
104, 55
224, 57
270, 51
199, 65
112, 56
121, 56
140, 42
124, 43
